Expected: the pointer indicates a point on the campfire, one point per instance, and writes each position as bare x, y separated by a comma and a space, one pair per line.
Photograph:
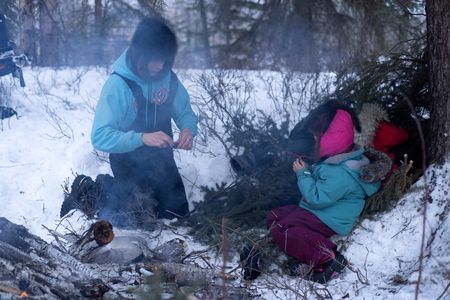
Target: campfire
103, 261
23, 294
5, 287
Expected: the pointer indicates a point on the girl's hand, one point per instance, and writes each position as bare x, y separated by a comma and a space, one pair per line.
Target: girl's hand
298, 165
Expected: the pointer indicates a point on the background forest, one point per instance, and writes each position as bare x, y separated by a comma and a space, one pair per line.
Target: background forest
253, 69
243, 34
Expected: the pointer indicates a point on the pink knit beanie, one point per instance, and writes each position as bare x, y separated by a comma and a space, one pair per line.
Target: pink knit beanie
339, 136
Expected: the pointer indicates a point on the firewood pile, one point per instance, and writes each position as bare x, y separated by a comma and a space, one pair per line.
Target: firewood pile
101, 264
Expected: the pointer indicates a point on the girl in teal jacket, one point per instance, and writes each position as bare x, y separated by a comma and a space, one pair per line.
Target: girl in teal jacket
333, 195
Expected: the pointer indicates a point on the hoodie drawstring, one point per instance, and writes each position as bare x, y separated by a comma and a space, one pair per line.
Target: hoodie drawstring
154, 117
146, 106
146, 112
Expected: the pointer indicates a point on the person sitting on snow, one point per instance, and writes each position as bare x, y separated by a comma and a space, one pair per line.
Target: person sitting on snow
133, 117
328, 169
333, 194
380, 133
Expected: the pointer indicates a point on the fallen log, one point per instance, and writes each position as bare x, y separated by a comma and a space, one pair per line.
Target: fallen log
31, 265
187, 275
33, 268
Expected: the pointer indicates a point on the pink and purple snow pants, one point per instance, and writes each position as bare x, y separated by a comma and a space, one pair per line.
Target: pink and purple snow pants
301, 234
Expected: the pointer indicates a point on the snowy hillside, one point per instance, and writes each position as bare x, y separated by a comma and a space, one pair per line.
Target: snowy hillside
50, 142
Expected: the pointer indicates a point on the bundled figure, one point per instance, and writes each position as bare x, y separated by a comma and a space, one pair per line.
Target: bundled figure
328, 167
133, 119
380, 133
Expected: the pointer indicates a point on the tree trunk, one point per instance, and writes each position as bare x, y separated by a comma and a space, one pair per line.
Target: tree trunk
48, 43
98, 12
438, 39
99, 30
27, 40
302, 19
205, 33
84, 19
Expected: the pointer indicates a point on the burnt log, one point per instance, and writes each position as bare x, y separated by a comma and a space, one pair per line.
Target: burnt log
29, 264
30, 267
187, 275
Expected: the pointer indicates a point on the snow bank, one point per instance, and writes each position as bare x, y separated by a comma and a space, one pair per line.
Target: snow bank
50, 143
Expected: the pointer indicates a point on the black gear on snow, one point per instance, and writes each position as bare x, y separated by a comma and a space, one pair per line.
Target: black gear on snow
7, 112
251, 262
84, 195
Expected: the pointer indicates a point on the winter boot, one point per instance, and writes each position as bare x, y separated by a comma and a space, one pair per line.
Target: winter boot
83, 195
329, 270
251, 262
295, 268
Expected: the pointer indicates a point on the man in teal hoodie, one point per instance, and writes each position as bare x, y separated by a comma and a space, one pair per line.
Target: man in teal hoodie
133, 118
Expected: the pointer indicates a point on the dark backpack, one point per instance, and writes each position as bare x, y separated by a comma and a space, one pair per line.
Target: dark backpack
8, 59
4, 36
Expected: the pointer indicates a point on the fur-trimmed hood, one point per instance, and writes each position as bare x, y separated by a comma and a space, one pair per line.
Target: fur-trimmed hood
371, 115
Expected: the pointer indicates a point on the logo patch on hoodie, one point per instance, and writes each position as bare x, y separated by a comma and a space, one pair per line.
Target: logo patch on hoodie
160, 96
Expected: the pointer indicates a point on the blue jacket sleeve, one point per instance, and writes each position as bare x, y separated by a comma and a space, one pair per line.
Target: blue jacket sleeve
329, 184
184, 116
114, 105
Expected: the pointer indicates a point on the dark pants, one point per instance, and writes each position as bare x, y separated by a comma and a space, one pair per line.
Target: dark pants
154, 171
301, 234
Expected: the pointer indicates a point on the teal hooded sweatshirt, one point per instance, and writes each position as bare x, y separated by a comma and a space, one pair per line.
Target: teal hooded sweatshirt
116, 109
333, 190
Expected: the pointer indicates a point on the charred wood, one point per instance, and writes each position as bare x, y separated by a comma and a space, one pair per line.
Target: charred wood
33, 266
38, 270
187, 275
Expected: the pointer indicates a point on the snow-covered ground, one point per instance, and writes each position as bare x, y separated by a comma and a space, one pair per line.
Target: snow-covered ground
50, 142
